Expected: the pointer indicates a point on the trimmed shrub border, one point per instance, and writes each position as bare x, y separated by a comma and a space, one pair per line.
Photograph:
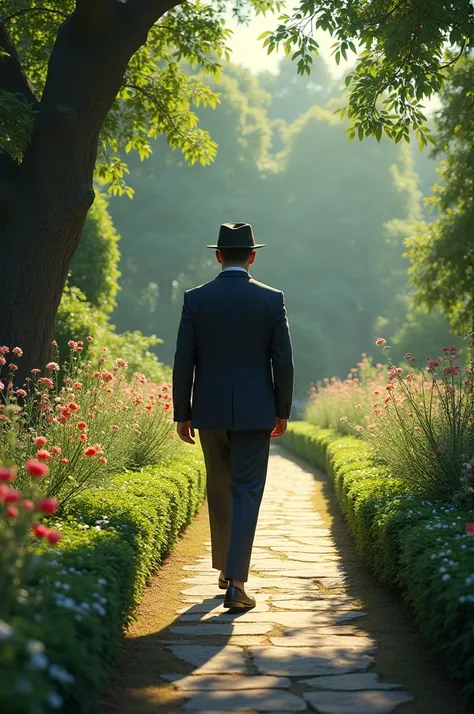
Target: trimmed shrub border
409, 542
68, 631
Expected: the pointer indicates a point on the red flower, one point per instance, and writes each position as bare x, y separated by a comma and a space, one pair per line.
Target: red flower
77, 385
83, 437
90, 451
37, 469
28, 504
12, 512
54, 537
48, 505
43, 455
64, 461
115, 427
56, 450
41, 441
40, 530
12, 496
470, 528
82, 425
6, 474
90, 339
73, 406
167, 407
103, 460
380, 342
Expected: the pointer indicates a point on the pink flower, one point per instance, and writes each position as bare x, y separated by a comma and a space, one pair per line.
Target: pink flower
121, 363
77, 385
115, 427
12, 512
35, 371
90, 451
56, 450
43, 455
470, 528
27, 504
380, 342
21, 392
454, 369
7, 474
53, 366
358, 406
64, 461
12, 496
4, 350
90, 339
360, 428
54, 343
48, 382
40, 530
17, 351
54, 537
2, 386
12, 367
41, 441
408, 355
48, 505
36, 468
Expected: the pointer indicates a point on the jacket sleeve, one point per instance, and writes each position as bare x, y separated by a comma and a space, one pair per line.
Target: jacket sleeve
282, 363
183, 368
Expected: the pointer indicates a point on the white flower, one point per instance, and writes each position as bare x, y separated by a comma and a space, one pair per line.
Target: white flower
60, 674
34, 646
446, 577
102, 581
6, 631
442, 569
38, 660
54, 700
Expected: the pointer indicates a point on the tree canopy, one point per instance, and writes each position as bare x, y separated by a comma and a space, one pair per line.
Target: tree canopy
401, 48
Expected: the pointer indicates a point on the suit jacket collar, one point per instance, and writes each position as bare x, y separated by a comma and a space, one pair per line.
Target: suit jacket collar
233, 274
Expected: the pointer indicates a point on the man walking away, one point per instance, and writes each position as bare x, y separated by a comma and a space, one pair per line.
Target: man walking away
233, 381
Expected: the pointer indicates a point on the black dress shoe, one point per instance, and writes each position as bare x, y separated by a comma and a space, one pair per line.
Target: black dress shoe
237, 599
223, 583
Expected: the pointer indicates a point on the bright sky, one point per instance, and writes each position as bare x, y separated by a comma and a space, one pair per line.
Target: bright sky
249, 52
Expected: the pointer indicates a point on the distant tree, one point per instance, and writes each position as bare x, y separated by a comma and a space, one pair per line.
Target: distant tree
442, 251
94, 268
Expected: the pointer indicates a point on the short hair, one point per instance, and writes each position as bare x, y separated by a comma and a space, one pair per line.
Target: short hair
235, 255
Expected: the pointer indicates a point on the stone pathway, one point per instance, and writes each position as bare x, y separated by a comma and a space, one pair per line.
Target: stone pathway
300, 649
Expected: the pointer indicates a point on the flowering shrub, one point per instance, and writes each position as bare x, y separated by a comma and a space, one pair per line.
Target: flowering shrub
335, 403
84, 420
420, 545
63, 632
418, 419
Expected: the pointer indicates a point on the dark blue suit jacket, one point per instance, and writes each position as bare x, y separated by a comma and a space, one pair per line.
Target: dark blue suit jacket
233, 366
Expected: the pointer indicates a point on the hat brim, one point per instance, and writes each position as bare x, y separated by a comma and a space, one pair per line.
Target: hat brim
235, 247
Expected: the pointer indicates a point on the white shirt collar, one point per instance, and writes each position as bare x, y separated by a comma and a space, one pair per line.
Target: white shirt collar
235, 267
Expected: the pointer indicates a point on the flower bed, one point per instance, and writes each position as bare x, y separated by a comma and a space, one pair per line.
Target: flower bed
62, 639
410, 542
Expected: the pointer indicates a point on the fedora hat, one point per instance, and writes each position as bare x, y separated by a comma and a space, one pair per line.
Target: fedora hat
236, 235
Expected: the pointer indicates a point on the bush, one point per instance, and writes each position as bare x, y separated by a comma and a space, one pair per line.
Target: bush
63, 638
410, 542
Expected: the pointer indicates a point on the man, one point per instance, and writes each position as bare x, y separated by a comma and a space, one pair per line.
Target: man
233, 380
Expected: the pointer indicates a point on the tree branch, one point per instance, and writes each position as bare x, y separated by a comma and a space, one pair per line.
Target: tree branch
12, 77
141, 15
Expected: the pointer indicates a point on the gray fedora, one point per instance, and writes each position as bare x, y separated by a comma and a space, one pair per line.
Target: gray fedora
236, 235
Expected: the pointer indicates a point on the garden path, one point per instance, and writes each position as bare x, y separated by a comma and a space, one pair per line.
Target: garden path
311, 644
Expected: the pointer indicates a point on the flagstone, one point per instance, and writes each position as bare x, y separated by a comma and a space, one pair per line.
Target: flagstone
305, 661
228, 659
226, 682
373, 702
317, 638
285, 619
263, 700
315, 604
204, 628
359, 681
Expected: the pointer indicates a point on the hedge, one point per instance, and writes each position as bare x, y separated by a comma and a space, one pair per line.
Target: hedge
67, 632
410, 542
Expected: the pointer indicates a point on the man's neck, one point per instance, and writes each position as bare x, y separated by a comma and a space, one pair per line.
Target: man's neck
235, 267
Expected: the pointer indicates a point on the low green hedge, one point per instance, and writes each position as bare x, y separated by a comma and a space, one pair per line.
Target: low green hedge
67, 630
409, 541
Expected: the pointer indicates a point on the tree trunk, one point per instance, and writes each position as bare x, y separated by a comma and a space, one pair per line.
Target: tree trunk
44, 201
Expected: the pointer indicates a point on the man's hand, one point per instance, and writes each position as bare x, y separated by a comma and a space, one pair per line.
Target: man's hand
280, 428
186, 432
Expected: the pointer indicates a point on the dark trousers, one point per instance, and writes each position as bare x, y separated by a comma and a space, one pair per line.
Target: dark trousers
236, 466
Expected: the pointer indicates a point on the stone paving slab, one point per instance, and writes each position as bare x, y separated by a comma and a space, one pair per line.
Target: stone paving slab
263, 700
305, 634
370, 702
227, 682
349, 682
